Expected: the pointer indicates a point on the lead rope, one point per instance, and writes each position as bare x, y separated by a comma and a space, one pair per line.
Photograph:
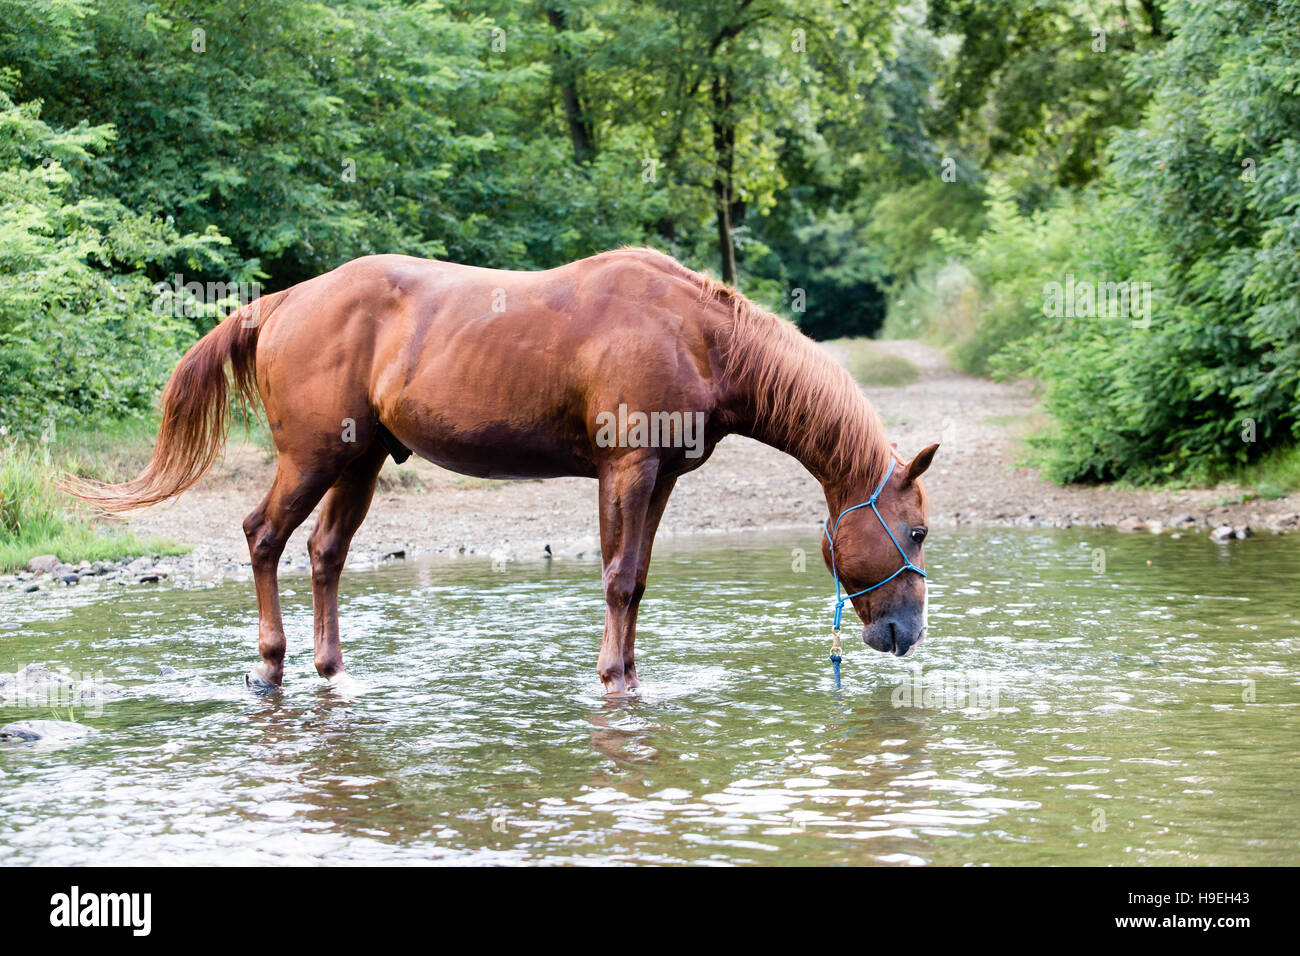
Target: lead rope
835, 656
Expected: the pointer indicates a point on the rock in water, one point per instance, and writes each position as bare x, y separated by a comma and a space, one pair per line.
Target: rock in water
1221, 533
90, 691
43, 730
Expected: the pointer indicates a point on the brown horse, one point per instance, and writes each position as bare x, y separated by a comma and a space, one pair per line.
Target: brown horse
626, 367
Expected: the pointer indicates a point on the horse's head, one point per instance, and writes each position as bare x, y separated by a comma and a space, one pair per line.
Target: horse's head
893, 612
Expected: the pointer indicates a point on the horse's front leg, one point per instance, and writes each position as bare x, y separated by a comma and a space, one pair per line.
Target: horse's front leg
632, 499
658, 501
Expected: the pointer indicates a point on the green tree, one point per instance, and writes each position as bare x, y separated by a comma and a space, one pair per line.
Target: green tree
78, 332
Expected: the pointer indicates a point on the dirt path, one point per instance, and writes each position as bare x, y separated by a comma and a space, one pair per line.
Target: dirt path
975, 480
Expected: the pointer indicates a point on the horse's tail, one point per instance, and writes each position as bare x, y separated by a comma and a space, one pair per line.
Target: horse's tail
195, 413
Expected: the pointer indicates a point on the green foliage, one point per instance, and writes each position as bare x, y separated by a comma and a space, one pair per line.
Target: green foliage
987, 296
77, 332
838, 274
1274, 475
1200, 201
1223, 251
1010, 262
903, 222
233, 142
932, 166
1035, 87
29, 504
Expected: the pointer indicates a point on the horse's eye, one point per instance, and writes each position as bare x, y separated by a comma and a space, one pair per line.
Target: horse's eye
918, 535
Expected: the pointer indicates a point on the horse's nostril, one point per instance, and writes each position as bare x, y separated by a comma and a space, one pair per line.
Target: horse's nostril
893, 638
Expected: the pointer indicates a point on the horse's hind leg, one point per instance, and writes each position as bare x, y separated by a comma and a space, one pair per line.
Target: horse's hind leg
293, 495
341, 514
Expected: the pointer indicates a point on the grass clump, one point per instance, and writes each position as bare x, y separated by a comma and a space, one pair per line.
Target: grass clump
1275, 475
870, 364
37, 518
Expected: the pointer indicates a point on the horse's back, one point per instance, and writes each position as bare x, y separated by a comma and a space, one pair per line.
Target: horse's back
466, 364
463, 363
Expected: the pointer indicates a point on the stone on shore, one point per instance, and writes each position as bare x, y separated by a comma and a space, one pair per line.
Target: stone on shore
44, 564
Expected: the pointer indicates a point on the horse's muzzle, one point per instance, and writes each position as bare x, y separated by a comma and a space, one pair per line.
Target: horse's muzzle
893, 637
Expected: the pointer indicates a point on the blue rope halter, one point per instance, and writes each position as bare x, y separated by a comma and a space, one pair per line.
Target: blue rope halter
842, 599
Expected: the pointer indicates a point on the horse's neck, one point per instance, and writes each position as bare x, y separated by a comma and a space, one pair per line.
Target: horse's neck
842, 486
829, 428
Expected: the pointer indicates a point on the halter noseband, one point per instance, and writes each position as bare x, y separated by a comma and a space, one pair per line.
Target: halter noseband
841, 600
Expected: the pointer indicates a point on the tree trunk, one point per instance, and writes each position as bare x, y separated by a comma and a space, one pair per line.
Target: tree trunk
724, 152
566, 73
725, 243
1153, 12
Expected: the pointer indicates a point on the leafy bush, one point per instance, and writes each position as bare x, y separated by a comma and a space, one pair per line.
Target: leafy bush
839, 273
1203, 198
78, 333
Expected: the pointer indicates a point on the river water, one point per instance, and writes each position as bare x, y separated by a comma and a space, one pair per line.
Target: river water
1083, 698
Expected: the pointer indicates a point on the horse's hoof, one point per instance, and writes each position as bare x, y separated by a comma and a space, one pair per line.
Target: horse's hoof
258, 684
344, 683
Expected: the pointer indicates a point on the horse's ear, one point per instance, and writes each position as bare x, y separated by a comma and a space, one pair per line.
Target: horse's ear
921, 462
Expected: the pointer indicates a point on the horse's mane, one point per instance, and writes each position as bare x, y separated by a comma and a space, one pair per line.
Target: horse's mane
806, 401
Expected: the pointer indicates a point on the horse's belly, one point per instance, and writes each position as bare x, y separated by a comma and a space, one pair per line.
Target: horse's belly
500, 450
